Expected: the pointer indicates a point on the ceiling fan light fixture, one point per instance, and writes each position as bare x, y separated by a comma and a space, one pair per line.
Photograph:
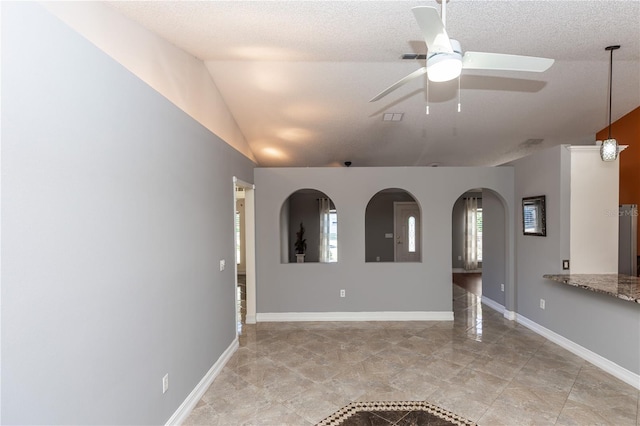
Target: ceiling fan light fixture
445, 66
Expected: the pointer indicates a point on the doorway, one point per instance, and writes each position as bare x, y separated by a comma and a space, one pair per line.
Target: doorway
480, 235
406, 216
244, 265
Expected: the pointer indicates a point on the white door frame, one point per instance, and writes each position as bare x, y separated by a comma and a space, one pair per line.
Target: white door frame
250, 247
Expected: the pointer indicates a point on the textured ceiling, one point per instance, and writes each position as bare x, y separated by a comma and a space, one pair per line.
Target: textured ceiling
298, 75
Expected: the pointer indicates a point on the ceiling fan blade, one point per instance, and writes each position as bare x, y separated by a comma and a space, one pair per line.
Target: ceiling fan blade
504, 62
432, 29
394, 86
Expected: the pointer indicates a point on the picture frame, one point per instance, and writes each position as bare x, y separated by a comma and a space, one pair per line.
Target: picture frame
534, 216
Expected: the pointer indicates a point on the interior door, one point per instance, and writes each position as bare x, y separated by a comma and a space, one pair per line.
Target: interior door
407, 232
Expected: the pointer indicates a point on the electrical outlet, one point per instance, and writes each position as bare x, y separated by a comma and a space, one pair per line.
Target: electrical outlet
165, 383
222, 264
343, 293
459, 257
542, 304
501, 287
377, 258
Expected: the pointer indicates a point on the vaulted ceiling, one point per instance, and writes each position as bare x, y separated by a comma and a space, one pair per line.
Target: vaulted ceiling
298, 76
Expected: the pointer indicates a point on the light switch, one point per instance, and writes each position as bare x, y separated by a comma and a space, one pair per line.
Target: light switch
222, 265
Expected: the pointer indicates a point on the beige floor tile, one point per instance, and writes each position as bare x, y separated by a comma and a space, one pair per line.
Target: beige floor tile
461, 403
203, 414
480, 366
277, 415
522, 406
605, 384
419, 384
480, 386
579, 414
382, 390
316, 403
495, 366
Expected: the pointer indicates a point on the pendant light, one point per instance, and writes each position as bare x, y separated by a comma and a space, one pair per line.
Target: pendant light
609, 147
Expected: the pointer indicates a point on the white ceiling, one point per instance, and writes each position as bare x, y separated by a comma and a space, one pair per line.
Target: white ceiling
298, 75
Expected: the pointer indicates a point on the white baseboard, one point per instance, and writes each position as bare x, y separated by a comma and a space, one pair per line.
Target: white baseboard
493, 304
198, 392
353, 316
610, 367
250, 319
510, 315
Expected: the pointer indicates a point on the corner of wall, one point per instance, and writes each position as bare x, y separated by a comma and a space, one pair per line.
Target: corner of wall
172, 72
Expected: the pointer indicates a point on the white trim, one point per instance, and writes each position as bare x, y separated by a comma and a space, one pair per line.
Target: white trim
595, 148
243, 184
510, 315
250, 252
609, 366
492, 304
353, 316
198, 392
250, 247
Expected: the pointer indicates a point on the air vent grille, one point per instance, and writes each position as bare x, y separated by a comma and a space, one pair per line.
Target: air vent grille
416, 56
531, 142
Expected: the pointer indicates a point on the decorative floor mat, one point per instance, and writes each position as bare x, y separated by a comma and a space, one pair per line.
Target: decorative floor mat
400, 413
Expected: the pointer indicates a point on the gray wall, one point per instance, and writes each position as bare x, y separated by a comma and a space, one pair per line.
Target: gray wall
116, 208
494, 246
379, 220
605, 325
372, 286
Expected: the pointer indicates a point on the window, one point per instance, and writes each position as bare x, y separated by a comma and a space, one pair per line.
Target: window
412, 234
333, 236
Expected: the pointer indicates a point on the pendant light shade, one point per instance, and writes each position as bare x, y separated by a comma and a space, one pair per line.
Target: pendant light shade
609, 147
609, 150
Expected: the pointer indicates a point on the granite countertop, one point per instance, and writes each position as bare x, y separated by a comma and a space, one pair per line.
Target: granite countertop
624, 287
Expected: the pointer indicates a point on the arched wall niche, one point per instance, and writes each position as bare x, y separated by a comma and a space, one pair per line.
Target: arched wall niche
316, 213
393, 224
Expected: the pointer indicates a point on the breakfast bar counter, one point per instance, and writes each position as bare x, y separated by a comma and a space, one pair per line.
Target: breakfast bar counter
623, 287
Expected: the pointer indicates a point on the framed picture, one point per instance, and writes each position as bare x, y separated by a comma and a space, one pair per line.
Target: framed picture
534, 216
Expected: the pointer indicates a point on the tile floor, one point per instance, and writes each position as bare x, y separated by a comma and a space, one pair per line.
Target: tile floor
480, 366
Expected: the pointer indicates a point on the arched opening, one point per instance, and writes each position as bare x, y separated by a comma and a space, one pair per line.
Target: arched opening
393, 227
479, 252
308, 228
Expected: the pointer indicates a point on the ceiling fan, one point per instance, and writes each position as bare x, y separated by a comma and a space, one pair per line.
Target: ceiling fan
445, 60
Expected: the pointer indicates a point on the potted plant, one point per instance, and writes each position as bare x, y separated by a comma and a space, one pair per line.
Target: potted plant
300, 244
